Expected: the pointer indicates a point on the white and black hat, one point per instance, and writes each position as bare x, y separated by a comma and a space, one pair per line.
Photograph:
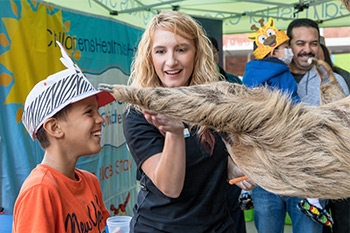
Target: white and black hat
51, 95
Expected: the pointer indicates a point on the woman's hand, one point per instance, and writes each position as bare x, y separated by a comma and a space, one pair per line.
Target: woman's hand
167, 169
163, 123
234, 172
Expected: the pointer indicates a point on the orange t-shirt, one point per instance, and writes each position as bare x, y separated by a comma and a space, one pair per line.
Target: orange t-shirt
51, 202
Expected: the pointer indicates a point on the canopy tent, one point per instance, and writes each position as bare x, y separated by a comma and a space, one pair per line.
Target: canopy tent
106, 45
237, 15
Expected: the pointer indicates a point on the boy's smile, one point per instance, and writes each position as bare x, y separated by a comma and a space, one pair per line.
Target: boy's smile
82, 127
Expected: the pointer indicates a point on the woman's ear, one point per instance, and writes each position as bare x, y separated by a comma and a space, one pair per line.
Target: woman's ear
52, 128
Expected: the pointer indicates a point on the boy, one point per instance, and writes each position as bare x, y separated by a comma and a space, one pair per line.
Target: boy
271, 49
62, 113
273, 54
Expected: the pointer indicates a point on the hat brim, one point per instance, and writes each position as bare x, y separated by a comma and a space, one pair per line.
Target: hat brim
104, 98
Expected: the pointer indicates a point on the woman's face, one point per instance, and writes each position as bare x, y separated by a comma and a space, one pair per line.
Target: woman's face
320, 55
173, 58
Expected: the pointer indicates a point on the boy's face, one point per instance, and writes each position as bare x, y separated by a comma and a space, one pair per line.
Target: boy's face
82, 128
279, 51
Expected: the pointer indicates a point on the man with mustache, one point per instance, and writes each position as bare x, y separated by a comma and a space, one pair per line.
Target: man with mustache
304, 37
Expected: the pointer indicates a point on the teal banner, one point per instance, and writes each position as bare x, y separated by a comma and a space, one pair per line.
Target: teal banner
103, 48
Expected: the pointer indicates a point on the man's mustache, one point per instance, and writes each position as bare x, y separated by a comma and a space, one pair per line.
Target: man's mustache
306, 54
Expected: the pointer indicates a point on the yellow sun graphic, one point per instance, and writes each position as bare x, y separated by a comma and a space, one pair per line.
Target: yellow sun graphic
30, 57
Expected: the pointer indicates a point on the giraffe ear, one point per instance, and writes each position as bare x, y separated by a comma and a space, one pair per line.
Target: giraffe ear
252, 37
271, 23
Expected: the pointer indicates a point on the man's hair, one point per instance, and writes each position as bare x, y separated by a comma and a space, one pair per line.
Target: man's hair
42, 135
327, 56
214, 42
301, 23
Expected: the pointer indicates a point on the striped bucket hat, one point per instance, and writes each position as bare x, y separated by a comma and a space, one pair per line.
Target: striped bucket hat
51, 95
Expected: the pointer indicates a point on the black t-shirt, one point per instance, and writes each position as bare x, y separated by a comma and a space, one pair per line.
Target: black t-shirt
298, 77
201, 206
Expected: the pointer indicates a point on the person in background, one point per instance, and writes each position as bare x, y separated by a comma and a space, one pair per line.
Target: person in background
325, 55
62, 113
340, 209
305, 43
304, 37
183, 169
273, 54
228, 77
233, 191
271, 69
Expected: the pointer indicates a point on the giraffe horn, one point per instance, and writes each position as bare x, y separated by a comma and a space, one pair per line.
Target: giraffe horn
253, 27
261, 21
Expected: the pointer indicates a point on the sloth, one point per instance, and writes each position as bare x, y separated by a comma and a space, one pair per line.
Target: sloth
286, 148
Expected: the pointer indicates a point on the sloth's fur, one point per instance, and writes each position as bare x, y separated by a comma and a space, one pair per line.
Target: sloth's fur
286, 148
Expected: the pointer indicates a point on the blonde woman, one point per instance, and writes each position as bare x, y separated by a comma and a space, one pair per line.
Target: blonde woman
183, 170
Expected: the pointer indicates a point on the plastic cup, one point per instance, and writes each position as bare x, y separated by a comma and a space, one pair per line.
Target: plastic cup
118, 224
